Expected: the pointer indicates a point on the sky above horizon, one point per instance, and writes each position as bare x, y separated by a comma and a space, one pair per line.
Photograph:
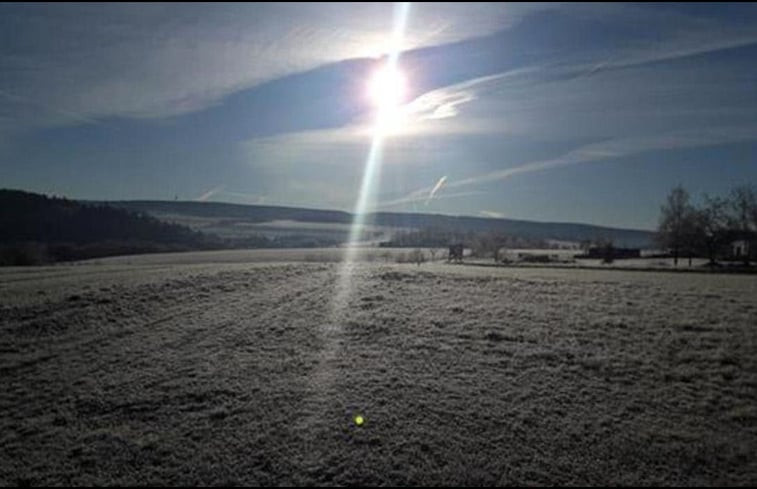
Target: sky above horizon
550, 112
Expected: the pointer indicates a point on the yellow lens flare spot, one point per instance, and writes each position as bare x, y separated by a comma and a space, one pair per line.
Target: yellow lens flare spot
359, 420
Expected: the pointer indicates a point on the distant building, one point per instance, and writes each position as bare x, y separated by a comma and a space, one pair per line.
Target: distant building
617, 253
456, 252
740, 248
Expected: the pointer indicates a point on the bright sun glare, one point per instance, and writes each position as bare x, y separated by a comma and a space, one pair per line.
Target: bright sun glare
386, 90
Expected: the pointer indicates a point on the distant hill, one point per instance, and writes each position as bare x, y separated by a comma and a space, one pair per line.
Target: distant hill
251, 213
38, 229
523, 229
226, 218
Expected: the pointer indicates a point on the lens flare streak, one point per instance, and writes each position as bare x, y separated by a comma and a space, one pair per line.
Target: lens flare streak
324, 375
367, 195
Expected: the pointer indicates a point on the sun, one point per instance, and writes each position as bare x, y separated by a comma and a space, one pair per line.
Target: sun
387, 89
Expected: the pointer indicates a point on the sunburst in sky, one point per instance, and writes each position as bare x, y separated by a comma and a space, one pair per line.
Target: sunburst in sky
550, 112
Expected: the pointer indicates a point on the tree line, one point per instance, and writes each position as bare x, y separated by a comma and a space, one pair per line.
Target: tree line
712, 228
36, 229
481, 242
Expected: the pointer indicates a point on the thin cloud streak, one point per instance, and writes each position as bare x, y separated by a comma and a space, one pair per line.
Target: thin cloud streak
607, 150
622, 147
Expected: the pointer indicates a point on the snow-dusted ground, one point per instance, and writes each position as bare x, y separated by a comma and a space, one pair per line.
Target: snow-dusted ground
251, 373
334, 254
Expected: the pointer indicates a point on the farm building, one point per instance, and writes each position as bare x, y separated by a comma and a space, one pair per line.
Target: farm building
617, 253
740, 249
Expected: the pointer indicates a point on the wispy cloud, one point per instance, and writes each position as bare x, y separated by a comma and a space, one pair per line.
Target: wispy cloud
159, 60
618, 148
439, 104
519, 94
603, 151
431, 112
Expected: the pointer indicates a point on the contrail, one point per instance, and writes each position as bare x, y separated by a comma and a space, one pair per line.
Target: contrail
209, 193
605, 150
257, 198
412, 199
436, 188
68, 113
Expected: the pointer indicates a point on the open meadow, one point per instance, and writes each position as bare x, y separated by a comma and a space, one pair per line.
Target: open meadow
174, 369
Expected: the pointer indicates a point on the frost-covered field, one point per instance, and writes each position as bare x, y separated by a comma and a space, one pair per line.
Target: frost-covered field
251, 373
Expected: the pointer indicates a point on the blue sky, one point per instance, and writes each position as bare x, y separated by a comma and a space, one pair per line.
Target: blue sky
550, 112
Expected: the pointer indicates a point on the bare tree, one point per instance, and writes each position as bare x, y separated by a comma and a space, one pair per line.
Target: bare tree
487, 245
586, 245
608, 249
676, 221
711, 225
433, 252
